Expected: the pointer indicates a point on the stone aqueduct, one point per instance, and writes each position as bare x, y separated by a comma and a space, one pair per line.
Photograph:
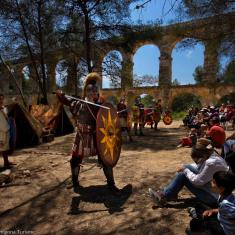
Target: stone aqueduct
209, 31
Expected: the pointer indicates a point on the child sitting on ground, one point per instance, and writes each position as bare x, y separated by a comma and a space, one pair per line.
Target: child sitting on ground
202, 131
189, 141
221, 220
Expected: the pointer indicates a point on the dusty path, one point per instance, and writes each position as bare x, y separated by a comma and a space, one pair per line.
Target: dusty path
41, 203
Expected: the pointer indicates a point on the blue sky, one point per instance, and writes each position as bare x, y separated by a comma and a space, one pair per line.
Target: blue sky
146, 59
184, 61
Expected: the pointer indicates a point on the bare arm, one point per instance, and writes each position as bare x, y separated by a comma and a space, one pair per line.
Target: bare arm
208, 213
62, 98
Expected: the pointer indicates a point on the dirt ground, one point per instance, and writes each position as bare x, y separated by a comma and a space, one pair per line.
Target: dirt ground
38, 202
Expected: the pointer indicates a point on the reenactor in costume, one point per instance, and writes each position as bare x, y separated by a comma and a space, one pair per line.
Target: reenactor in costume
122, 111
138, 116
157, 112
85, 141
149, 117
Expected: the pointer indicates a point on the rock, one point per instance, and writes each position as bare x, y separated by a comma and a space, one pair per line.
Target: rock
27, 181
6, 172
27, 172
54, 165
5, 177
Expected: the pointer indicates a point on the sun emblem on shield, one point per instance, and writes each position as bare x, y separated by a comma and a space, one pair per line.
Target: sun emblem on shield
110, 131
167, 120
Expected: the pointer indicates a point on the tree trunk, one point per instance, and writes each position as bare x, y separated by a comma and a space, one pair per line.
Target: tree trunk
42, 61
88, 42
30, 50
75, 75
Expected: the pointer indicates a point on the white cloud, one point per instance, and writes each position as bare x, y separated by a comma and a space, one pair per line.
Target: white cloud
105, 82
189, 54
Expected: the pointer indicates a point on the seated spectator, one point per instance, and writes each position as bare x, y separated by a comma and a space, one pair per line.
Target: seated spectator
200, 117
230, 113
195, 123
228, 145
213, 112
196, 177
221, 220
206, 115
222, 108
190, 140
189, 117
230, 158
202, 131
216, 133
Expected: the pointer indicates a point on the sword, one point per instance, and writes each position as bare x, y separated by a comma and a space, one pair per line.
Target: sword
85, 101
147, 108
122, 110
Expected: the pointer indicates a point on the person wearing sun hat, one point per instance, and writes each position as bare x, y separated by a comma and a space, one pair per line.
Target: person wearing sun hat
195, 177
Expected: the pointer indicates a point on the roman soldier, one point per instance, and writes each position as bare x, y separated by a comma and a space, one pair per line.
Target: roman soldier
157, 112
138, 116
85, 140
123, 116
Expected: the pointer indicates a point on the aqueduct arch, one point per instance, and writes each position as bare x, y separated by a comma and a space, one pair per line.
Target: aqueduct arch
165, 38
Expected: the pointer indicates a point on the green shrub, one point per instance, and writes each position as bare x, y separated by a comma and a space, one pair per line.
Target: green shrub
179, 115
226, 98
184, 101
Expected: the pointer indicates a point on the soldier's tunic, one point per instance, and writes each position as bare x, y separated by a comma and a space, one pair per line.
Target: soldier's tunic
85, 140
141, 114
135, 114
157, 113
123, 115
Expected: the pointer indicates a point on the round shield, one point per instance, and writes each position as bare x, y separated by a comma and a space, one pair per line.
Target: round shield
108, 135
167, 119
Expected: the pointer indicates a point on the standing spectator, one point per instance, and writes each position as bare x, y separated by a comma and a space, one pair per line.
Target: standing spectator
4, 134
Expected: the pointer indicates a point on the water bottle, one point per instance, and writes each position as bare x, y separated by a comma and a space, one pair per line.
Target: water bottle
192, 212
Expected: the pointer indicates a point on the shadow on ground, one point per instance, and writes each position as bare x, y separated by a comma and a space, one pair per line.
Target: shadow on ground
100, 194
153, 140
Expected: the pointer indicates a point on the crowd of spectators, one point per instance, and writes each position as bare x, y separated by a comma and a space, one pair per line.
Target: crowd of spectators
211, 177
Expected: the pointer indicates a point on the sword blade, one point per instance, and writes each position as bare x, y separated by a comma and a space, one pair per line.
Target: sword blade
88, 102
122, 111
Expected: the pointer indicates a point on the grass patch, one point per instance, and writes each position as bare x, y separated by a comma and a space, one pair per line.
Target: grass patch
179, 115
